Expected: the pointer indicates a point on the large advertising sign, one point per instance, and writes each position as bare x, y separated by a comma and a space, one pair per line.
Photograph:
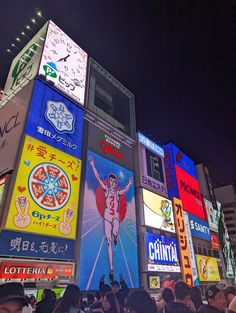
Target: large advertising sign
21, 244
162, 253
110, 147
109, 238
46, 191
170, 173
189, 193
215, 241
158, 211
191, 249
24, 66
187, 271
199, 227
151, 160
64, 63
32, 270
13, 116
55, 120
213, 215
207, 269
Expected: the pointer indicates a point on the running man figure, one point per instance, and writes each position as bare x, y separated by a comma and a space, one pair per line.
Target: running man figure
111, 213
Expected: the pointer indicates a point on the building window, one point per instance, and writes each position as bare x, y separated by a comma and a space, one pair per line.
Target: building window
226, 212
228, 218
230, 225
232, 232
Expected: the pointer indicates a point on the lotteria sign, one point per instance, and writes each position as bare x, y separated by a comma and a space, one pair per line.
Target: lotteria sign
199, 228
162, 253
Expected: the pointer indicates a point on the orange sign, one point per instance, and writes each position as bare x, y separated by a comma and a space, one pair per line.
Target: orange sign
215, 241
183, 242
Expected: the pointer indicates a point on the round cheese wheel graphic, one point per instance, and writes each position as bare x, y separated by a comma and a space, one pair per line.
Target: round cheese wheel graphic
49, 186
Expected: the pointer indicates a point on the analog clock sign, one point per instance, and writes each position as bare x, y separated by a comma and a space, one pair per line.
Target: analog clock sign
64, 63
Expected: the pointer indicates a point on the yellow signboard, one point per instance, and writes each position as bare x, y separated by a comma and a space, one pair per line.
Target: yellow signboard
154, 282
46, 191
207, 268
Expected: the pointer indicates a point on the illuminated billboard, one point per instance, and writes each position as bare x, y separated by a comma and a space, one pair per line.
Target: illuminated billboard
162, 253
64, 63
189, 193
199, 227
12, 122
212, 214
55, 120
24, 66
46, 192
215, 241
207, 269
109, 238
187, 271
110, 100
158, 211
151, 161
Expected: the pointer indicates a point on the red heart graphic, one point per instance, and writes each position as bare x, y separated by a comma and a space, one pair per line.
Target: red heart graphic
21, 189
74, 177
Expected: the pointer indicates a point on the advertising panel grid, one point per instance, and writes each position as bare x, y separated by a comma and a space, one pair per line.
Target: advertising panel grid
109, 237
158, 211
46, 191
162, 253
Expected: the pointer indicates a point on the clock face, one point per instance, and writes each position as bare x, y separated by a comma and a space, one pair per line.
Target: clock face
64, 63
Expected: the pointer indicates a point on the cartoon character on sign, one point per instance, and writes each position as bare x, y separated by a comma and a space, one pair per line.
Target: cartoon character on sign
22, 219
166, 213
114, 210
203, 267
65, 225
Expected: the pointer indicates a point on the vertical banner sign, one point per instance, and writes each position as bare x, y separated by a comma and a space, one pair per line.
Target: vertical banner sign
187, 272
212, 214
64, 63
191, 250
109, 238
46, 191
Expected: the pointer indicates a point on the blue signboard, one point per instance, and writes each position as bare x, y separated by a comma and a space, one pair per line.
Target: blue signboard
182, 160
162, 253
55, 120
34, 246
150, 145
199, 227
171, 180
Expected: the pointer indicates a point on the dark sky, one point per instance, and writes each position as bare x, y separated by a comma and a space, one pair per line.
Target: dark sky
177, 57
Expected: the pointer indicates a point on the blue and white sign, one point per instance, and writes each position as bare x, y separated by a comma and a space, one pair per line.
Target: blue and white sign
199, 227
55, 120
34, 246
150, 144
162, 253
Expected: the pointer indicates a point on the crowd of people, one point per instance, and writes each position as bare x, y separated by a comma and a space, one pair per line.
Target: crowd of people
116, 298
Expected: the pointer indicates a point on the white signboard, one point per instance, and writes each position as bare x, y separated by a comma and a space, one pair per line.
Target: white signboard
158, 211
64, 63
213, 215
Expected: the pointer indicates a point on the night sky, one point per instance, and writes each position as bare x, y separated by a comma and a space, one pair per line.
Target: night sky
177, 57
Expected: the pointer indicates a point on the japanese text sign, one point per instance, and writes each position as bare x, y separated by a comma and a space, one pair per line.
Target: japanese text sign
64, 63
213, 215
187, 272
55, 120
162, 253
46, 191
154, 282
215, 241
24, 245
30, 270
158, 211
170, 173
199, 227
150, 145
207, 268
189, 193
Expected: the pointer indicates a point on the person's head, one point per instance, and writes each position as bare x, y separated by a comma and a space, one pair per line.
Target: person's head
110, 303
230, 293
49, 295
12, 298
32, 300
196, 297
112, 181
105, 289
139, 301
71, 298
182, 293
215, 297
98, 295
90, 298
167, 295
115, 286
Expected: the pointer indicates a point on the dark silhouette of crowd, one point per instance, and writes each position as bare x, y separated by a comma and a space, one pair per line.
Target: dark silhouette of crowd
116, 298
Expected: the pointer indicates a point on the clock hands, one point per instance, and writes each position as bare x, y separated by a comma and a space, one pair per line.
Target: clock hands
64, 59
